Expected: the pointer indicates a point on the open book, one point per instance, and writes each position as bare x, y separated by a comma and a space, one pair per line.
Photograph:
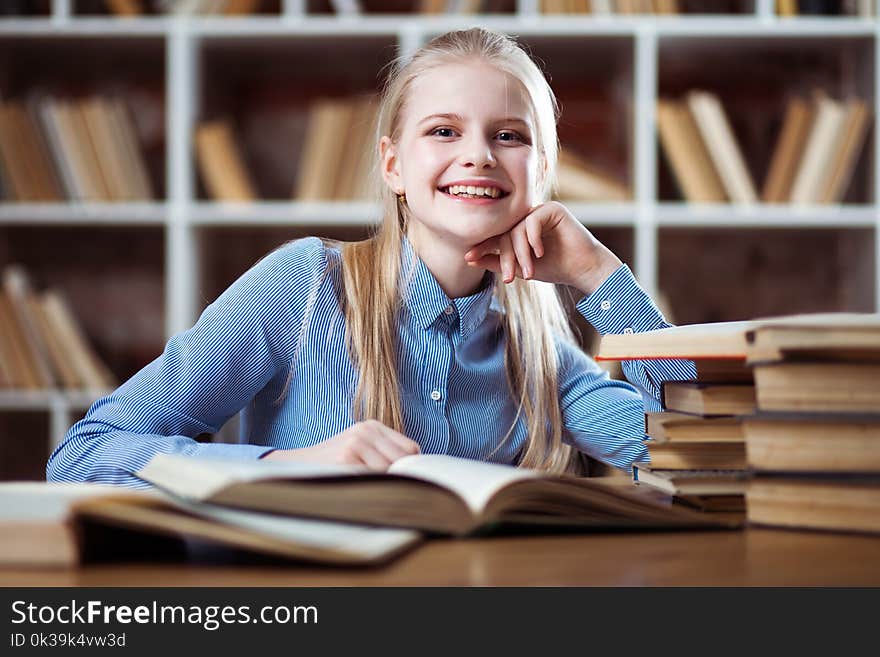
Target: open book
841, 335
435, 493
57, 524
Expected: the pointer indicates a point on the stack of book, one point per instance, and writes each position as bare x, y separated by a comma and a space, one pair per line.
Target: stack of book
41, 344
814, 448
811, 444
696, 446
83, 149
813, 161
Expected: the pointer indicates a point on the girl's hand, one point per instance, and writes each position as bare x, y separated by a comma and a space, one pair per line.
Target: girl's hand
368, 443
550, 245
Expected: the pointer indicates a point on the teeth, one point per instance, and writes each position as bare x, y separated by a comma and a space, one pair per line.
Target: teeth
491, 192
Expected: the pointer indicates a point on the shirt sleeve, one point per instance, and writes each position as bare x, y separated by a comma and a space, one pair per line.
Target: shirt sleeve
620, 305
204, 376
603, 417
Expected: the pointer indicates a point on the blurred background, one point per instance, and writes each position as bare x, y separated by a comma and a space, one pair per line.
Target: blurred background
153, 150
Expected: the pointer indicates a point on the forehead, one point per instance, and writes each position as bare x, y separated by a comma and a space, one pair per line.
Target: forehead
472, 90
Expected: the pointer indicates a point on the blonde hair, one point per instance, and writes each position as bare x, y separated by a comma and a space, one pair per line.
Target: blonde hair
533, 318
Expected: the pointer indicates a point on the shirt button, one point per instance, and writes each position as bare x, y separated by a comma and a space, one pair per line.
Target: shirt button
449, 310
627, 331
605, 305
435, 395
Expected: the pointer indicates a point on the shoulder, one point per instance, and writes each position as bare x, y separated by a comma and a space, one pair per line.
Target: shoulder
284, 278
307, 258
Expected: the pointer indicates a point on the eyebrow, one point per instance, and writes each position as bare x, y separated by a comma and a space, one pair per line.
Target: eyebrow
457, 117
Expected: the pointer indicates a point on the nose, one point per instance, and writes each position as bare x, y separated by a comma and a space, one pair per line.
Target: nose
477, 153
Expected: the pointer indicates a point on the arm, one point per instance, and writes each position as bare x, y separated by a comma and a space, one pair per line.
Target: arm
551, 245
204, 376
603, 417
620, 305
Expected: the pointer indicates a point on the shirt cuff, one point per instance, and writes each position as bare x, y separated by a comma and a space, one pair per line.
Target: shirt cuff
620, 305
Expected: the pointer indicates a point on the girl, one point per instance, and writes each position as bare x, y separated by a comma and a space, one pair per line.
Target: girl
441, 334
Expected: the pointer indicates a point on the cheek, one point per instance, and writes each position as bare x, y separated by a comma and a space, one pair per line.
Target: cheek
422, 165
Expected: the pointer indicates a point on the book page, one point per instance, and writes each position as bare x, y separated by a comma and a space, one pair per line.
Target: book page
365, 541
475, 481
199, 477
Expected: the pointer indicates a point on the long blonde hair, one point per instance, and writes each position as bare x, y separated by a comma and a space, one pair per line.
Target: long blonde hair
533, 318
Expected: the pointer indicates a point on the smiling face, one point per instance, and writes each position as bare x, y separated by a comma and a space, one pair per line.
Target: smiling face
465, 154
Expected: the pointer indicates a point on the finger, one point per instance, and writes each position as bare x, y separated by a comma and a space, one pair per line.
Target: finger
408, 445
490, 262
534, 228
371, 457
487, 246
523, 251
508, 258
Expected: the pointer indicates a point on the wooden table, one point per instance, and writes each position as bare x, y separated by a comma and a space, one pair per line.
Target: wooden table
754, 557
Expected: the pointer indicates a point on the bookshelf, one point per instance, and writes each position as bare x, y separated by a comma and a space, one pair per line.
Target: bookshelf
608, 71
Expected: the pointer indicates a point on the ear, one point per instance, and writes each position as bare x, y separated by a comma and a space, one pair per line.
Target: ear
390, 165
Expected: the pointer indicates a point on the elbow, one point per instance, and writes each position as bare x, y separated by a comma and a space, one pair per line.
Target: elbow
64, 461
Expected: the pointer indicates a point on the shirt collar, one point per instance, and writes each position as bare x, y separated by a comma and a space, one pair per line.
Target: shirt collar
426, 300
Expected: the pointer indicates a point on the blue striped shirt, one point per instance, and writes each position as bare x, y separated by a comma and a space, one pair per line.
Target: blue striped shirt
293, 380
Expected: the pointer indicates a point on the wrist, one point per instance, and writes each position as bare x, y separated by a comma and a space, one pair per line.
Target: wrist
590, 280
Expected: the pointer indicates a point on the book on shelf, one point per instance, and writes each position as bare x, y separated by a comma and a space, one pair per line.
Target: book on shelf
66, 524
353, 171
792, 442
324, 147
821, 387
19, 292
705, 455
688, 158
41, 344
674, 427
703, 483
94, 148
708, 399
125, 7
24, 156
720, 141
847, 151
221, 164
434, 493
19, 372
579, 180
843, 503
209, 7
91, 370
814, 168
788, 151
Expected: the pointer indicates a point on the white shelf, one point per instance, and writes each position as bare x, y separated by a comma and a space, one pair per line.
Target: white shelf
285, 213
713, 215
144, 214
47, 399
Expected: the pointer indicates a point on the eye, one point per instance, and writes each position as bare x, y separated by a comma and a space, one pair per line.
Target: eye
443, 132
510, 135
